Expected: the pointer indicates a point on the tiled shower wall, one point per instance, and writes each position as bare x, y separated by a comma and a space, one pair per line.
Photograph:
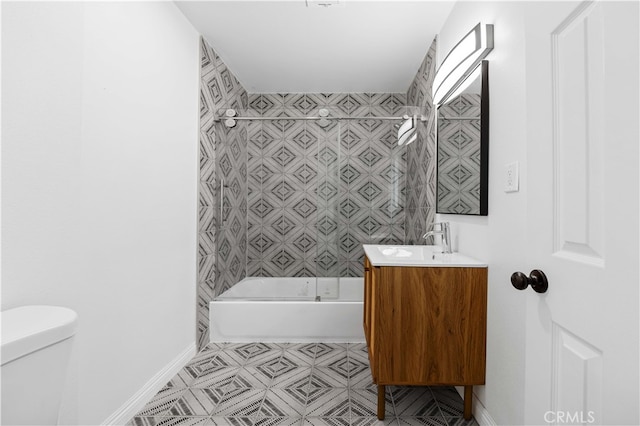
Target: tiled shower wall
318, 191
421, 156
306, 209
223, 152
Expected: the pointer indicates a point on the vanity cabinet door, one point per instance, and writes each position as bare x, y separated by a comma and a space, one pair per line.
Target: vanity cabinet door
430, 326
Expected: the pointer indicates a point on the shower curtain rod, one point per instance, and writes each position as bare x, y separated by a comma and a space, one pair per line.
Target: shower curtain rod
422, 118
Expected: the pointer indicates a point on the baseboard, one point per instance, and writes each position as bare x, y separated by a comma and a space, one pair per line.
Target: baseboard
144, 395
480, 412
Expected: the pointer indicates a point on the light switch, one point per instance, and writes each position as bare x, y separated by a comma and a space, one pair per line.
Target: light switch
511, 177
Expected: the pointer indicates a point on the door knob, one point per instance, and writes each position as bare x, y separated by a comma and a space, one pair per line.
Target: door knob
536, 279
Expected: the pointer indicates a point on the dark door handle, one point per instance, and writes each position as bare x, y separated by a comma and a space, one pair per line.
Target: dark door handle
536, 279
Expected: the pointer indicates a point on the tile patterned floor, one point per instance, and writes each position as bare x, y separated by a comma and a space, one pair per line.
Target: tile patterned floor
291, 384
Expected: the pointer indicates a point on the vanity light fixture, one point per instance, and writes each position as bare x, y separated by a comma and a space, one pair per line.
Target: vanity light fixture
473, 77
462, 60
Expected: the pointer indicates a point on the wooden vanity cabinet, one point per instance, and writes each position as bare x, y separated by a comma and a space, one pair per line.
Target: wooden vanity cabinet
426, 326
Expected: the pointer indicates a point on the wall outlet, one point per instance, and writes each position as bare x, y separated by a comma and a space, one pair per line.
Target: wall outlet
511, 177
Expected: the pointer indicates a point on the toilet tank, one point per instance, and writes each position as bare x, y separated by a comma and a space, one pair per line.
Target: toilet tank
36, 345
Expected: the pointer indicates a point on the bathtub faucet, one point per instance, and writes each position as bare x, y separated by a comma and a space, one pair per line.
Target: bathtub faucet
444, 232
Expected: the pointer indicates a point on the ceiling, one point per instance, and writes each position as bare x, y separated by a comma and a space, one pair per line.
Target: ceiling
287, 46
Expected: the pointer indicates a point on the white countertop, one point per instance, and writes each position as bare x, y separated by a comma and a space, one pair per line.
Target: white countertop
420, 256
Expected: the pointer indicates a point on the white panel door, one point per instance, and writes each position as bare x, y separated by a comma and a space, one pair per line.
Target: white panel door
583, 187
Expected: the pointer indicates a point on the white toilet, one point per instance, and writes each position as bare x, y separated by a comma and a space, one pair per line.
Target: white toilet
36, 344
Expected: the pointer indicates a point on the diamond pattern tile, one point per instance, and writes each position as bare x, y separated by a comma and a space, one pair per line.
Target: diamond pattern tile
415, 402
240, 403
196, 402
368, 192
302, 354
281, 403
326, 377
218, 378
305, 174
284, 175
364, 403
296, 378
328, 402
245, 384
161, 402
230, 421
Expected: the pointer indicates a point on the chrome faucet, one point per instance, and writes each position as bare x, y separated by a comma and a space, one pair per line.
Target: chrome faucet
444, 232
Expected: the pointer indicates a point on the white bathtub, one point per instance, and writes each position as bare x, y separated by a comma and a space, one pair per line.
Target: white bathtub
285, 310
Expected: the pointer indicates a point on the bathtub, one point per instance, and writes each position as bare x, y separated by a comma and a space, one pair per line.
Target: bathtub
287, 310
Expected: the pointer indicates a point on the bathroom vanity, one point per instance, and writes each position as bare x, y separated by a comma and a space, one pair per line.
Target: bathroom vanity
425, 319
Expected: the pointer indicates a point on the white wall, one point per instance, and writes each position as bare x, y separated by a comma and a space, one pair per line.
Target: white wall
499, 237
99, 185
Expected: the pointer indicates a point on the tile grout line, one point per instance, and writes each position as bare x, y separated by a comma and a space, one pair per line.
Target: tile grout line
257, 415
308, 386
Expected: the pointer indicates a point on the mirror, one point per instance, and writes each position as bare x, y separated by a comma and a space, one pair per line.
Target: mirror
463, 147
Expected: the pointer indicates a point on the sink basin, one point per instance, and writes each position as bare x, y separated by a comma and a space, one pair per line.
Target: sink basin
405, 252
421, 256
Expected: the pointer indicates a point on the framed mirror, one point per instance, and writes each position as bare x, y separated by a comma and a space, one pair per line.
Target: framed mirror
463, 147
